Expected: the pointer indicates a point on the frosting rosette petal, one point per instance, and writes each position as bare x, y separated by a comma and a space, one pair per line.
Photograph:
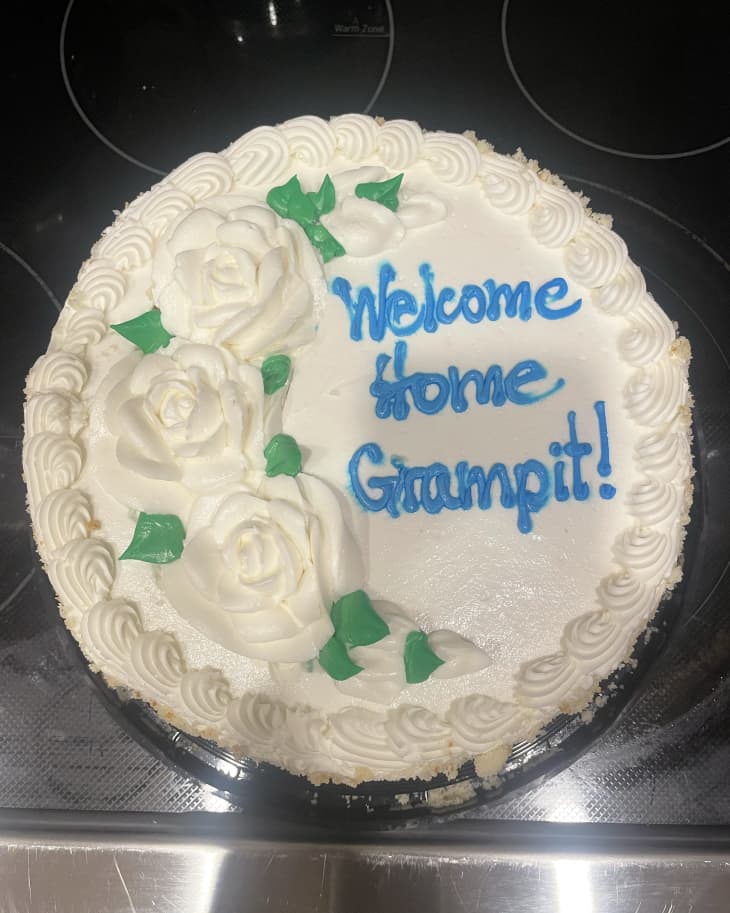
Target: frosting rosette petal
261, 570
193, 416
243, 279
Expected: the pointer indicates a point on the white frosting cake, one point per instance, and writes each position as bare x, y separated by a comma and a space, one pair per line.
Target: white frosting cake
361, 450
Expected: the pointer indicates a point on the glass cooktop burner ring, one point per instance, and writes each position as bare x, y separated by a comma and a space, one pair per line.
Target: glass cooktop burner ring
288, 43
579, 137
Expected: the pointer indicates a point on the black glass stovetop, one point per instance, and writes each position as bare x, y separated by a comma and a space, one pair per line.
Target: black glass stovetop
625, 101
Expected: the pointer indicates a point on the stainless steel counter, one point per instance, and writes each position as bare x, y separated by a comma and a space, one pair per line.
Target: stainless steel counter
208, 862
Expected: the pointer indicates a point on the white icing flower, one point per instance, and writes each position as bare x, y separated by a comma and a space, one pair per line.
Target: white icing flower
244, 281
383, 671
365, 227
260, 571
193, 416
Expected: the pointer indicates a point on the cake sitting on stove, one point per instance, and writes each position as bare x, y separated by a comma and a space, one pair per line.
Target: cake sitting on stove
360, 450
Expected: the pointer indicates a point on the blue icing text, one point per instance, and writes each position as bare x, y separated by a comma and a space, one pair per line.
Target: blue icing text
527, 487
430, 392
399, 311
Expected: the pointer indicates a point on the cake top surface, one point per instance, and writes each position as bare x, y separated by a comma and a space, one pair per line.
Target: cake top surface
359, 449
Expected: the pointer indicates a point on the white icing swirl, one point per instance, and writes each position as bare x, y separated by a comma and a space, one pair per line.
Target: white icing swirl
156, 664
460, 656
63, 516
417, 734
623, 293
556, 217
356, 135
205, 694
665, 454
650, 335
99, 285
399, 143
109, 629
454, 159
193, 416
258, 574
76, 329
624, 594
202, 176
244, 282
50, 461
655, 392
548, 681
59, 372
508, 184
54, 412
480, 723
648, 553
83, 573
595, 641
256, 723
595, 256
359, 739
258, 157
127, 245
652, 501
158, 208
305, 741
310, 139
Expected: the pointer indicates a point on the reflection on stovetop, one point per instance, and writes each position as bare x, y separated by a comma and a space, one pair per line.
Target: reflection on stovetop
102, 98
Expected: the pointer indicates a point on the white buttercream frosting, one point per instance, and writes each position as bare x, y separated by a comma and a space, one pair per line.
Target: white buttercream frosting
202, 176
364, 227
63, 516
194, 416
109, 629
509, 185
260, 571
356, 135
245, 281
224, 640
556, 217
99, 285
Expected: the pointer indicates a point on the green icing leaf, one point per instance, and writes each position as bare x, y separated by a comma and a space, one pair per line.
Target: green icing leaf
145, 331
336, 663
302, 209
283, 456
275, 371
327, 245
383, 192
291, 202
324, 198
356, 622
157, 538
420, 660
279, 198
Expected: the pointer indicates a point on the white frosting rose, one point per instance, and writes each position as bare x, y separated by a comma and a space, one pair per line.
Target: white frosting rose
244, 280
193, 416
260, 571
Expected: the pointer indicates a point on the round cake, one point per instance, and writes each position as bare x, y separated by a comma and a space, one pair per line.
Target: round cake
360, 450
